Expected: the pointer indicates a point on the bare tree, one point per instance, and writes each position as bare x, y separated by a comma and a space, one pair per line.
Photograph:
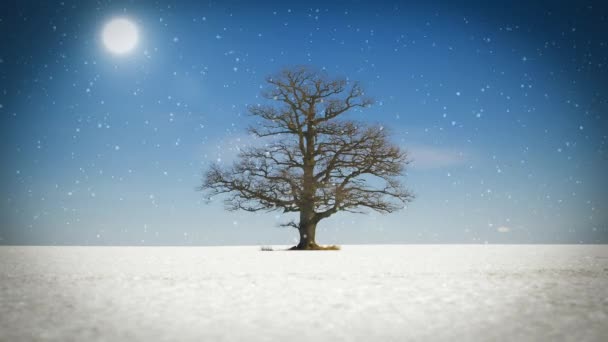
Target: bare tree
314, 162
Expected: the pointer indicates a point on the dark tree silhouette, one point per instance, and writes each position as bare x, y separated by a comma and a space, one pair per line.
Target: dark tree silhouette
313, 161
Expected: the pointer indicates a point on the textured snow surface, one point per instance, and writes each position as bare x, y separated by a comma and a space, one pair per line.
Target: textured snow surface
361, 293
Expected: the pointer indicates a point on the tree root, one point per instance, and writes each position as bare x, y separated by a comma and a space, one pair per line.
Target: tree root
314, 247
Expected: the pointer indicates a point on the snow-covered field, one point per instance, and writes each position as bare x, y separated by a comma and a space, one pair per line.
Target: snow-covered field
362, 293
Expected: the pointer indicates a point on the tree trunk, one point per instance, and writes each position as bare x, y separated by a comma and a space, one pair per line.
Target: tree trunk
307, 228
307, 235
308, 220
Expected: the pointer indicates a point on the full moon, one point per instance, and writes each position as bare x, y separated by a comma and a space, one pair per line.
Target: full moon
119, 35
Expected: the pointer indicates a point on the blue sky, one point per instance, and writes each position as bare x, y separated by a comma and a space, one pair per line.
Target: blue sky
503, 108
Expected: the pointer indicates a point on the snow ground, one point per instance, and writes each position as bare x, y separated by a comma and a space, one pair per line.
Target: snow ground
362, 293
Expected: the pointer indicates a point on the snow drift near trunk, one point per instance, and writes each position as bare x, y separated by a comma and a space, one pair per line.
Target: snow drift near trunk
362, 293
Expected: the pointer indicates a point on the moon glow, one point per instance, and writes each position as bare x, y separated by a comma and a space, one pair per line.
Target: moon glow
120, 35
